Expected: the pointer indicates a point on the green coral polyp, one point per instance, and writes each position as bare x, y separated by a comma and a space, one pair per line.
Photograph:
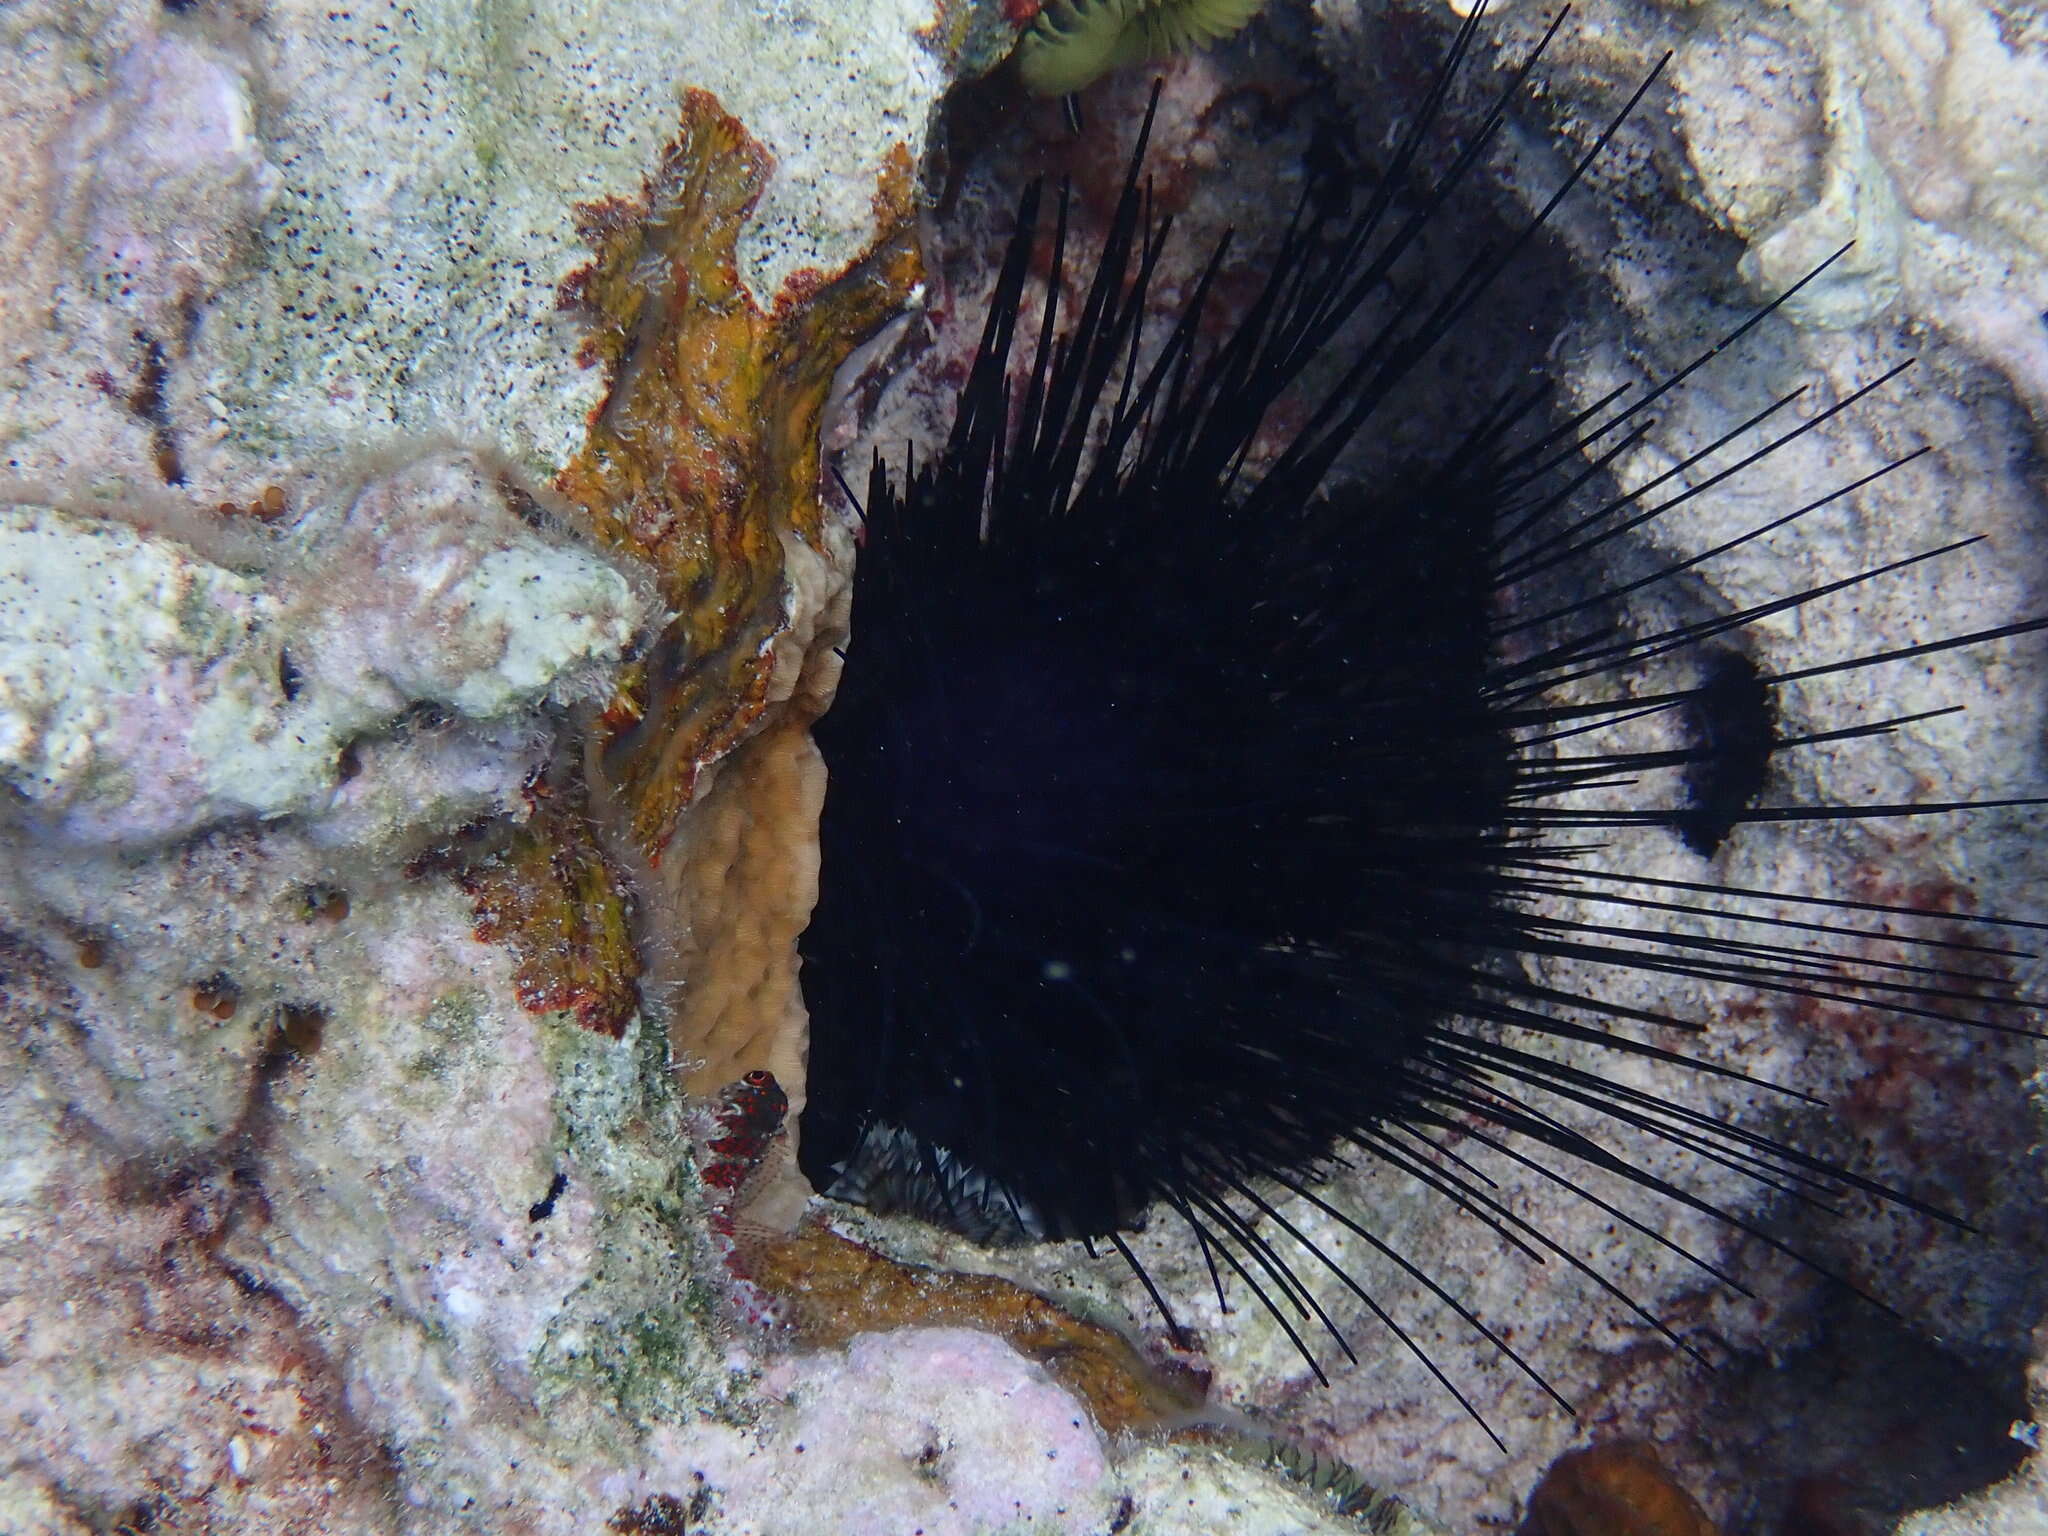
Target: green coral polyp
1073, 43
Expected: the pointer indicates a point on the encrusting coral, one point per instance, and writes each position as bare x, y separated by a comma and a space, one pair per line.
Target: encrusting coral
702, 461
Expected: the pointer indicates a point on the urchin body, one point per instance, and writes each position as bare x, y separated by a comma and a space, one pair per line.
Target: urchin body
1148, 830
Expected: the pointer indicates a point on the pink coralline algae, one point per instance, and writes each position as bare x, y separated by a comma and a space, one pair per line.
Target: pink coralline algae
989, 1440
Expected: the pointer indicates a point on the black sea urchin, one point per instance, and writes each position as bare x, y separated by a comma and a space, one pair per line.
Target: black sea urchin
1203, 817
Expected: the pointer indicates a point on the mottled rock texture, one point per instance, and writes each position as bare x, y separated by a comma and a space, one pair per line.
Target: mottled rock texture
307, 1224
318, 1216
1647, 266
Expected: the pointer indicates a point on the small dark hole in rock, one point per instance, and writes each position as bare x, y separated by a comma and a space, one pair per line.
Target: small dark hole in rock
544, 1207
301, 1027
326, 904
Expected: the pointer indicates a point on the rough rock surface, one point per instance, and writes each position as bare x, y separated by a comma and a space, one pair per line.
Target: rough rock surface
306, 1225
150, 693
1668, 248
1786, 132
309, 1224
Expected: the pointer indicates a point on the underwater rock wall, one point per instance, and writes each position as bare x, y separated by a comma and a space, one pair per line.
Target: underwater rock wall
1915, 131
1651, 274
1666, 236
345, 1189
320, 1213
153, 694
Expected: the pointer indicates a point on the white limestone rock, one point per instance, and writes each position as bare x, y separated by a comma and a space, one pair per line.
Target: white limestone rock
147, 692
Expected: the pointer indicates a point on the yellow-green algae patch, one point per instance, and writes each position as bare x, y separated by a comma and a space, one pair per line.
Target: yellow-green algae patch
451, 1025
640, 1331
1071, 44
